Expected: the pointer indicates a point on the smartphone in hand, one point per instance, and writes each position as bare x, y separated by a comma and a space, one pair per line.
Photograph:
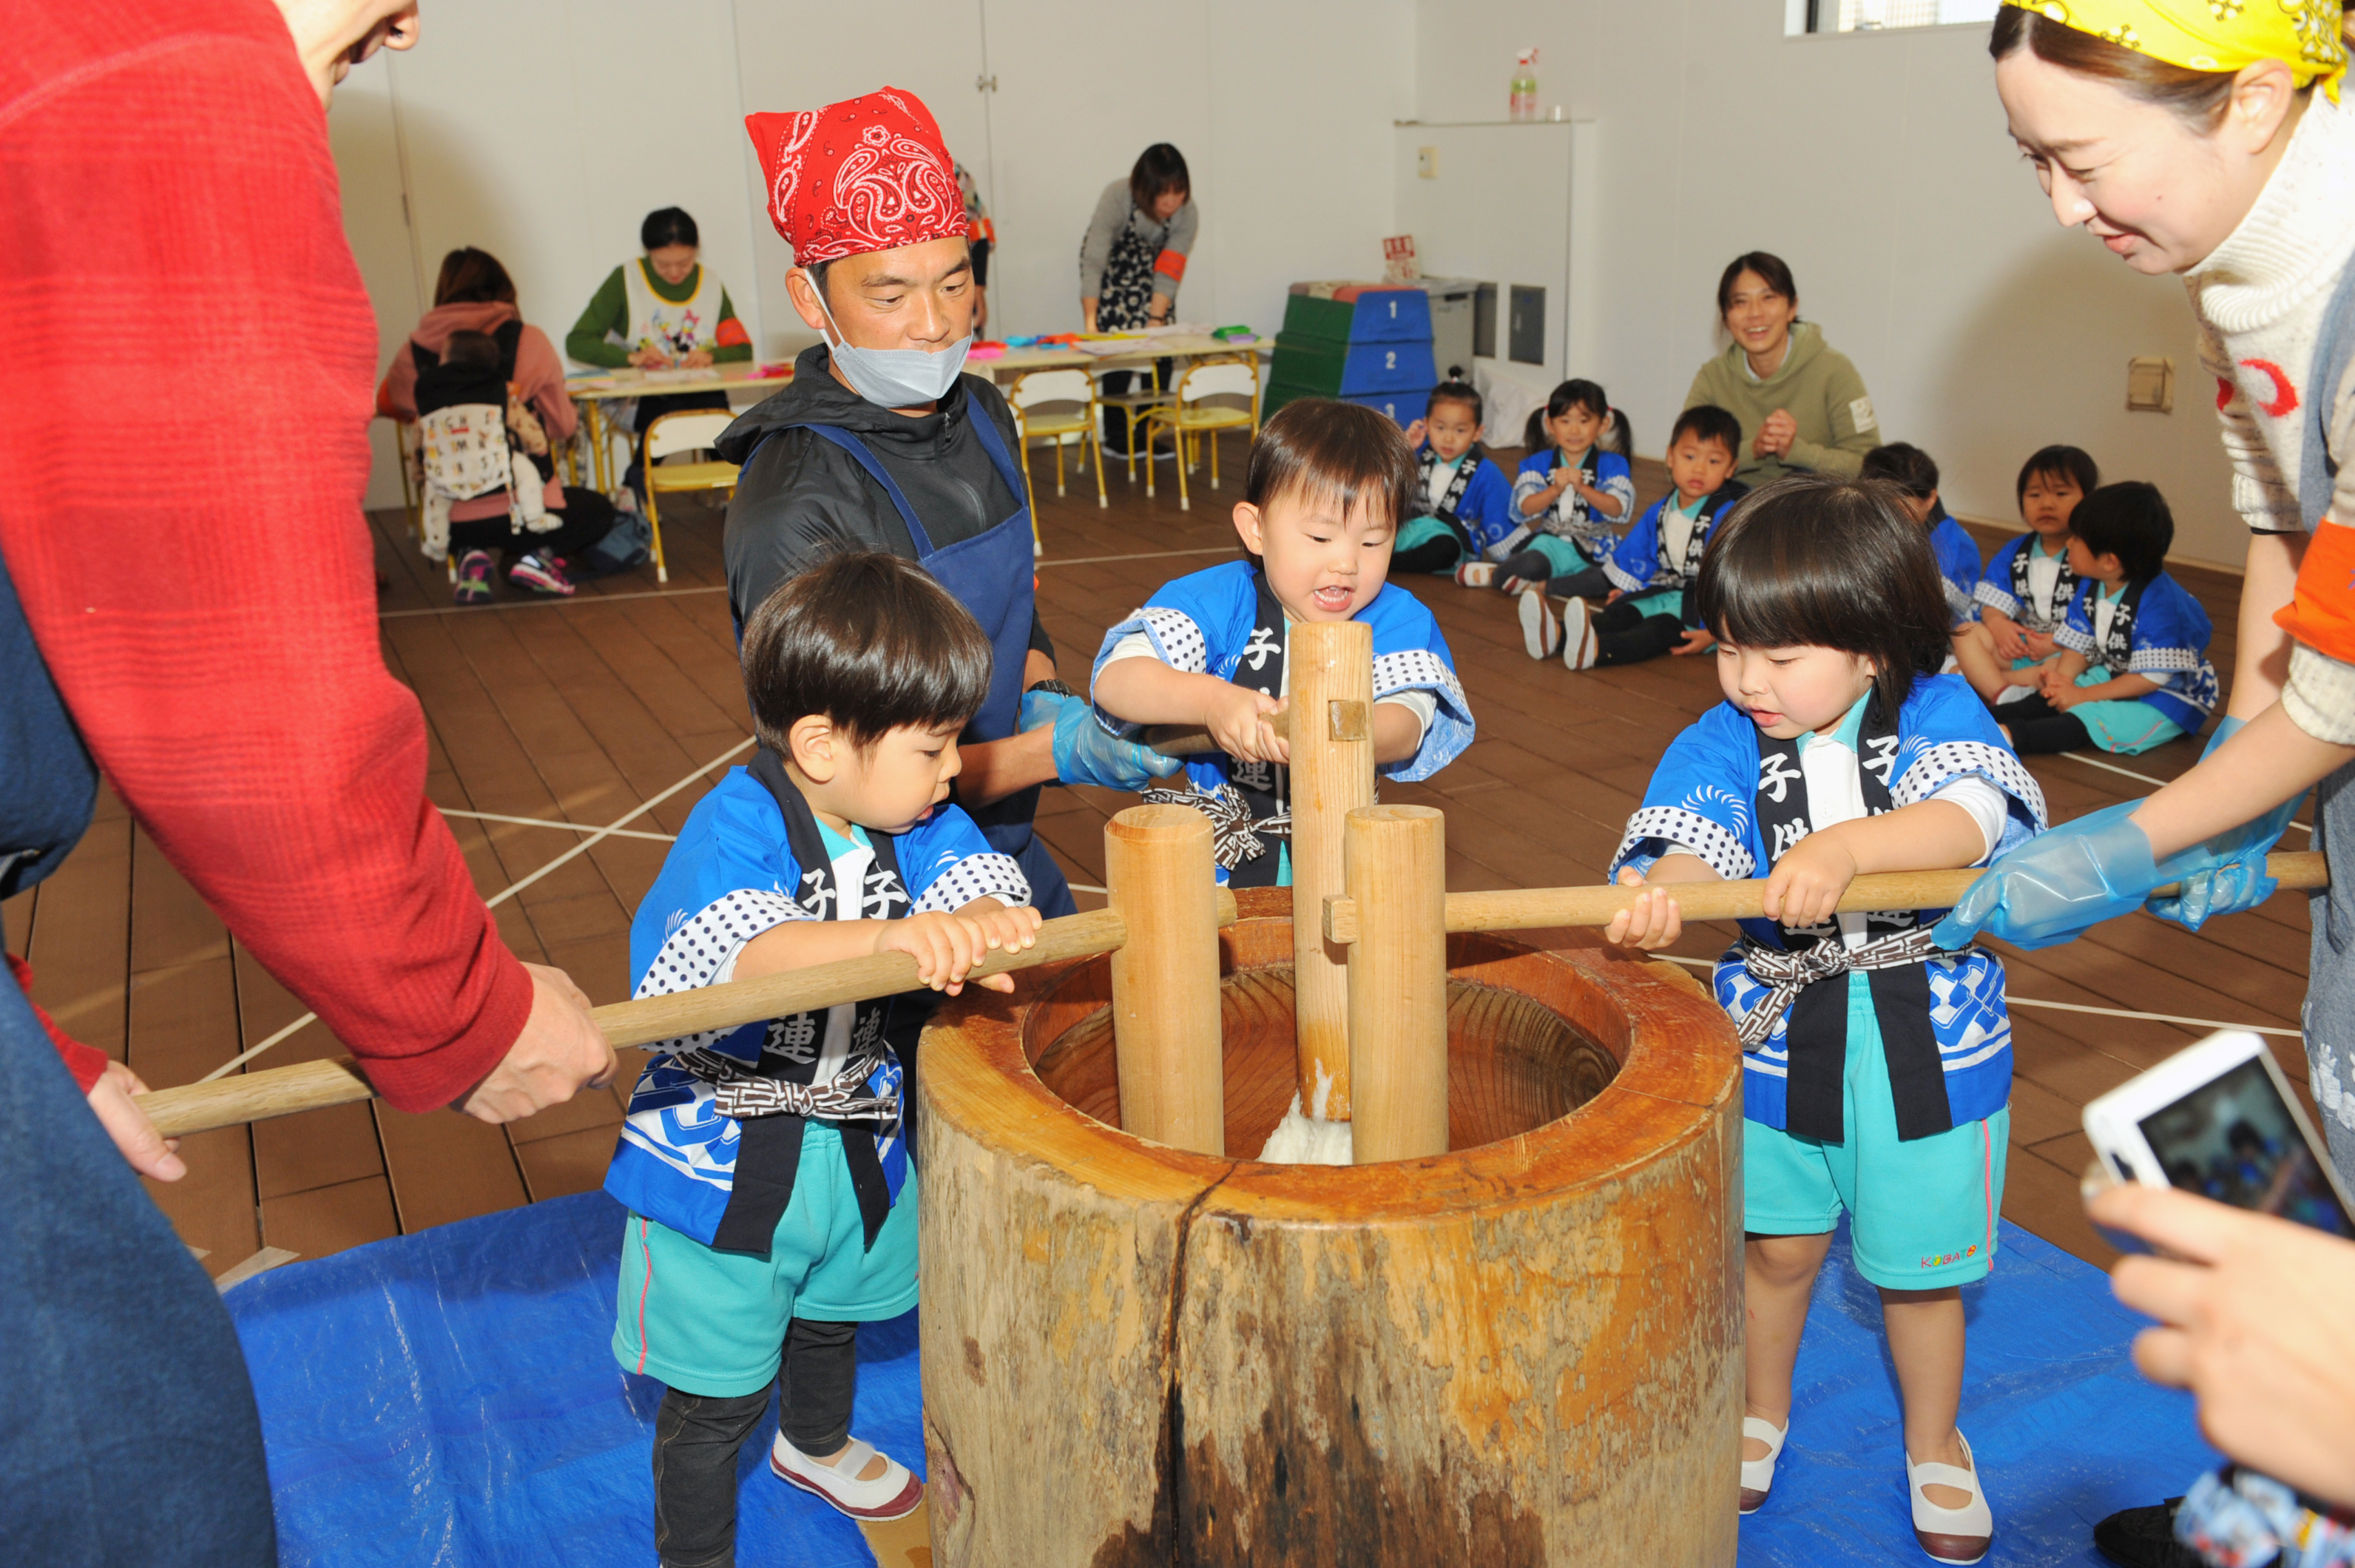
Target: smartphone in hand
2219, 1119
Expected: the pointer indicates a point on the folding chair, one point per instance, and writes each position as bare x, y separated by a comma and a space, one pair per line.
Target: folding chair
1136, 407
1032, 397
690, 429
1192, 416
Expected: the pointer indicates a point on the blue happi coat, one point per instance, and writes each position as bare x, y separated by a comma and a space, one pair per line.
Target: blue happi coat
1958, 568
732, 876
1484, 511
2158, 632
1704, 795
1571, 517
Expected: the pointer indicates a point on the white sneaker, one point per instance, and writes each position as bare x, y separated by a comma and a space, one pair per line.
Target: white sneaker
1541, 628
1476, 574
1758, 1474
1956, 1535
893, 1495
1578, 647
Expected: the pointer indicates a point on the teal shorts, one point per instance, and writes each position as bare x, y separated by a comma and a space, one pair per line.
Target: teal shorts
1665, 602
1421, 531
1921, 1214
1566, 559
2122, 727
713, 1323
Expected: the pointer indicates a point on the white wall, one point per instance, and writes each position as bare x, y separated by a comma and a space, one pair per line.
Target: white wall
544, 129
1877, 164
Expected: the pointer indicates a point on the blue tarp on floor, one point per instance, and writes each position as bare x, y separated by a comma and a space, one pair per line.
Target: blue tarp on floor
450, 1398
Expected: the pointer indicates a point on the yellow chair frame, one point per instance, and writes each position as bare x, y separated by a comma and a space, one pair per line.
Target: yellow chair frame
1038, 388
1188, 421
688, 430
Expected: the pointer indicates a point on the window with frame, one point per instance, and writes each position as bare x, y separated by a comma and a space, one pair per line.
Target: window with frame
1881, 15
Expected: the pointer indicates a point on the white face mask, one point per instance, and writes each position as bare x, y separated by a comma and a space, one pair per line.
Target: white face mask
896, 378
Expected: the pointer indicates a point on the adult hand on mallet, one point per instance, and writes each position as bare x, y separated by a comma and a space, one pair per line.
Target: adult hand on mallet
559, 1052
2254, 1315
144, 1149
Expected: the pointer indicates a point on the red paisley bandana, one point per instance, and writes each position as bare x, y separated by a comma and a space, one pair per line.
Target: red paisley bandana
867, 174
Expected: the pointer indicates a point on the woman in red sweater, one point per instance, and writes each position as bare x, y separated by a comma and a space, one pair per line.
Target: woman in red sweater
156, 156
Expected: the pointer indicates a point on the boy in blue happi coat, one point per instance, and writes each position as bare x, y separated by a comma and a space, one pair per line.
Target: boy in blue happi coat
1651, 573
1466, 501
772, 1208
2133, 672
1913, 470
1876, 1068
1329, 483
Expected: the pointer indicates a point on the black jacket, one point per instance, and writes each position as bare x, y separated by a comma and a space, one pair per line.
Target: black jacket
801, 497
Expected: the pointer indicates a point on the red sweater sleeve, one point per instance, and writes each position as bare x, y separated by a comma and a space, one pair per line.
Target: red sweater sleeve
183, 450
86, 1063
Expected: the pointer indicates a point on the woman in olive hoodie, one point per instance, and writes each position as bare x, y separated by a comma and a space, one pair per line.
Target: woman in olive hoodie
1803, 407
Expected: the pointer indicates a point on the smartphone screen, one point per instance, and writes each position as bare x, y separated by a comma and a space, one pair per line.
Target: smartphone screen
2233, 1140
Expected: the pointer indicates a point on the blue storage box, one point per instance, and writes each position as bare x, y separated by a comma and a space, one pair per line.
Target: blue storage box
1405, 407
1389, 367
1391, 316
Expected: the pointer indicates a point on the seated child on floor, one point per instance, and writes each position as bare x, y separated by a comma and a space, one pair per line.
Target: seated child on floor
2025, 594
1466, 501
1911, 470
1329, 482
837, 841
1574, 488
1652, 572
2133, 671
1877, 1069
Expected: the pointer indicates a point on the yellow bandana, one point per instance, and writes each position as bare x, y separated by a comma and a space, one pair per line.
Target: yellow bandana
2216, 34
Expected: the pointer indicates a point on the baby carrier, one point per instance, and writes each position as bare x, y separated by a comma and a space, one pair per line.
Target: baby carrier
475, 440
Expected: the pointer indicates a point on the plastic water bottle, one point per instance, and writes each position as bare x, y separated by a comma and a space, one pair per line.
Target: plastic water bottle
1525, 85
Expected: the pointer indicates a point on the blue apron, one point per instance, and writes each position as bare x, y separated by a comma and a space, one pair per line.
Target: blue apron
101, 1308
989, 574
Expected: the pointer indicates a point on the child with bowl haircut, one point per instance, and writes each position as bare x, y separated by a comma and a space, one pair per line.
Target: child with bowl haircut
1327, 484
1913, 470
1650, 610
1465, 503
771, 1206
2025, 593
2133, 672
1877, 1069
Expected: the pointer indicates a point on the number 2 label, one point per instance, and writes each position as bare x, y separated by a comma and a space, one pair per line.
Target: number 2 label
1389, 359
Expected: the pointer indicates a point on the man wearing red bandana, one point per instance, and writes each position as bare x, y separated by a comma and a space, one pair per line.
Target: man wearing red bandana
882, 442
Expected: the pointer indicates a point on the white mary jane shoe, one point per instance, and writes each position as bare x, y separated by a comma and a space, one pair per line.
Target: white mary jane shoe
1758, 1474
1956, 1535
894, 1494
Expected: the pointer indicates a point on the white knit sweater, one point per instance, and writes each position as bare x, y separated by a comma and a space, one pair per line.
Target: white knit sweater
2260, 299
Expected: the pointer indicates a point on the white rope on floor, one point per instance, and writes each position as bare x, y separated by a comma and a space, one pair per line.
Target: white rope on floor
567, 826
596, 837
2018, 1000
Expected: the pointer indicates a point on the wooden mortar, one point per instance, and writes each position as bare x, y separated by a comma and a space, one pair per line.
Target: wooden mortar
1525, 1351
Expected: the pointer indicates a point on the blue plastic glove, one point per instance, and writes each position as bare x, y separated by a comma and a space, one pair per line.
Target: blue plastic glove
1084, 754
2238, 881
2058, 884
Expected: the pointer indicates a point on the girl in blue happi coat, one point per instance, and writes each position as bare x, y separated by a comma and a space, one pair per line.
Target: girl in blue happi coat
2025, 593
1876, 1068
1651, 610
2133, 672
771, 1207
1329, 482
1573, 494
1465, 503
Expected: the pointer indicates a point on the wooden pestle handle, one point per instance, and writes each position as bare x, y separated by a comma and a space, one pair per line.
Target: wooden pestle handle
1530, 908
1179, 740
312, 1085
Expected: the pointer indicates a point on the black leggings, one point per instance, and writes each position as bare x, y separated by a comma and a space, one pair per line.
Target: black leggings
2037, 727
1624, 634
697, 1437
579, 525
1439, 554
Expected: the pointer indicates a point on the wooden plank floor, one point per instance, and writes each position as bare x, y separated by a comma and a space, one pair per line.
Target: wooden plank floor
581, 711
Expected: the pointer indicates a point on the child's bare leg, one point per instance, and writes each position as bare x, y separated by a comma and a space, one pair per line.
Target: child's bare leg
1926, 1341
1778, 1273
1974, 652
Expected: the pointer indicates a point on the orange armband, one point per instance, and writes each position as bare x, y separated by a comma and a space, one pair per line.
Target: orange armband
2322, 613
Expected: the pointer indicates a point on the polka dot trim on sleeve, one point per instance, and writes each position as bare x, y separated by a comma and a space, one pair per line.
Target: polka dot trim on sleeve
1941, 765
1176, 637
2076, 641
1719, 849
990, 876
702, 944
